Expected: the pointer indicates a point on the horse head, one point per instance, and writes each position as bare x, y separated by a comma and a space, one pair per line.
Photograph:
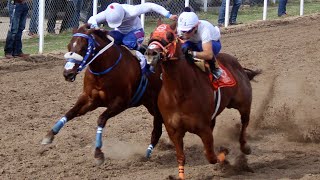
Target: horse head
83, 48
164, 43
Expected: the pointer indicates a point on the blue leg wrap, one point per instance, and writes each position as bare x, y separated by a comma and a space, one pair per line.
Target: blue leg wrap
99, 137
56, 128
149, 151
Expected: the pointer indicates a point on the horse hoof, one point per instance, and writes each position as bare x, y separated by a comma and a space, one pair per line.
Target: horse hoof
46, 140
246, 149
148, 153
99, 161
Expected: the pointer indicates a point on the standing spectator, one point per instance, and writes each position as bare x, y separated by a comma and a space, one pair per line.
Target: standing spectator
234, 13
68, 17
282, 10
102, 5
55, 6
33, 27
74, 23
18, 10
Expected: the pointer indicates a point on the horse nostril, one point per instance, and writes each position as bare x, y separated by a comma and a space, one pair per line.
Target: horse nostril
69, 76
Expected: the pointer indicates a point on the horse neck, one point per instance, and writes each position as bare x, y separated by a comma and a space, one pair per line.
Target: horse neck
178, 74
105, 60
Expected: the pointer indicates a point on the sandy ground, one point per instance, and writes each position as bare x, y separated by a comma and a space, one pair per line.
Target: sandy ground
284, 131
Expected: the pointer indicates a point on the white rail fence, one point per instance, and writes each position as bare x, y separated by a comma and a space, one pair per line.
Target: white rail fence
61, 14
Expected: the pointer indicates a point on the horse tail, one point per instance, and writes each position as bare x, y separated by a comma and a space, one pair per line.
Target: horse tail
252, 73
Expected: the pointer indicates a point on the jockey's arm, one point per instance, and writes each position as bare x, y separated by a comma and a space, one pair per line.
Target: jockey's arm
137, 10
207, 53
95, 20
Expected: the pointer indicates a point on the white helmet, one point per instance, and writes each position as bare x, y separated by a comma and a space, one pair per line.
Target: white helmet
187, 21
115, 15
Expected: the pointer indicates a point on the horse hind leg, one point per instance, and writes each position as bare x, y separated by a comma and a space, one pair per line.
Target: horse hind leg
156, 134
245, 117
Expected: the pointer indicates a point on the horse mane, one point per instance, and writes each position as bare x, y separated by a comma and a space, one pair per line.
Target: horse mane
84, 28
101, 33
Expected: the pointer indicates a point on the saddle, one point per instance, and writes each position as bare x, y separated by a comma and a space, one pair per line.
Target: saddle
140, 57
226, 79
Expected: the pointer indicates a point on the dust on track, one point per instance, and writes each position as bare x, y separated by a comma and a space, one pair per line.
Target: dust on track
284, 130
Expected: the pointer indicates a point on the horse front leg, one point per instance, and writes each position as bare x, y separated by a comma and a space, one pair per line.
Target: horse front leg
103, 118
156, 133
82, 106
207, 140
176, 137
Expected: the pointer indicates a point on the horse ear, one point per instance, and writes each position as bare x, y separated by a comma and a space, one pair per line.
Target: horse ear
159, 22
170, 36
102, 33
82, 28
151, 34
173, 26
87, 26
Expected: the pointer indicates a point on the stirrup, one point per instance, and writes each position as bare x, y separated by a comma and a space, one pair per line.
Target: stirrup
217, 73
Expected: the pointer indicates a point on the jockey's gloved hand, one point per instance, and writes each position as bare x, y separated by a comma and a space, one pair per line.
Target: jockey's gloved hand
188, 54
94, 26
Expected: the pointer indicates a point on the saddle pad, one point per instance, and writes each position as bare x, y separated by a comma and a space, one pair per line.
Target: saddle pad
142, 60
226, 79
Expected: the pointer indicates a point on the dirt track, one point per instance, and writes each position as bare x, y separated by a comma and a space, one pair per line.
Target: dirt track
284, 133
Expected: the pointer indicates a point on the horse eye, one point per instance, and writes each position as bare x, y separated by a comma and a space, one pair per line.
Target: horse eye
154, 53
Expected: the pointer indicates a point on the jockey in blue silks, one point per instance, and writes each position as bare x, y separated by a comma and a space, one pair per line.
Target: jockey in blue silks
124, 18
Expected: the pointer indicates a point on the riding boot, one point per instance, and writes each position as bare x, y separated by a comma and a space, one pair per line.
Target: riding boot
215, 69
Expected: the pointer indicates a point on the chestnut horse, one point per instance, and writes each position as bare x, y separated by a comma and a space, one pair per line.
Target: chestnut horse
113, 79
187, 97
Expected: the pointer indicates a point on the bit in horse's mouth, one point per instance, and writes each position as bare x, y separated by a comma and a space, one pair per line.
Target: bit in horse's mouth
73, 79
70, 78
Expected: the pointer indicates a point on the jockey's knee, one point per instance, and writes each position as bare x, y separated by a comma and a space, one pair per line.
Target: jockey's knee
131, 44
117, 36
216, 47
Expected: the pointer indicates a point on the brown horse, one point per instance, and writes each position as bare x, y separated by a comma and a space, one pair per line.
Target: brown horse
187, 97
113, 79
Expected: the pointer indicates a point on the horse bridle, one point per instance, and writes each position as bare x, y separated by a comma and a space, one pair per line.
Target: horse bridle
76, 58
168, 51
